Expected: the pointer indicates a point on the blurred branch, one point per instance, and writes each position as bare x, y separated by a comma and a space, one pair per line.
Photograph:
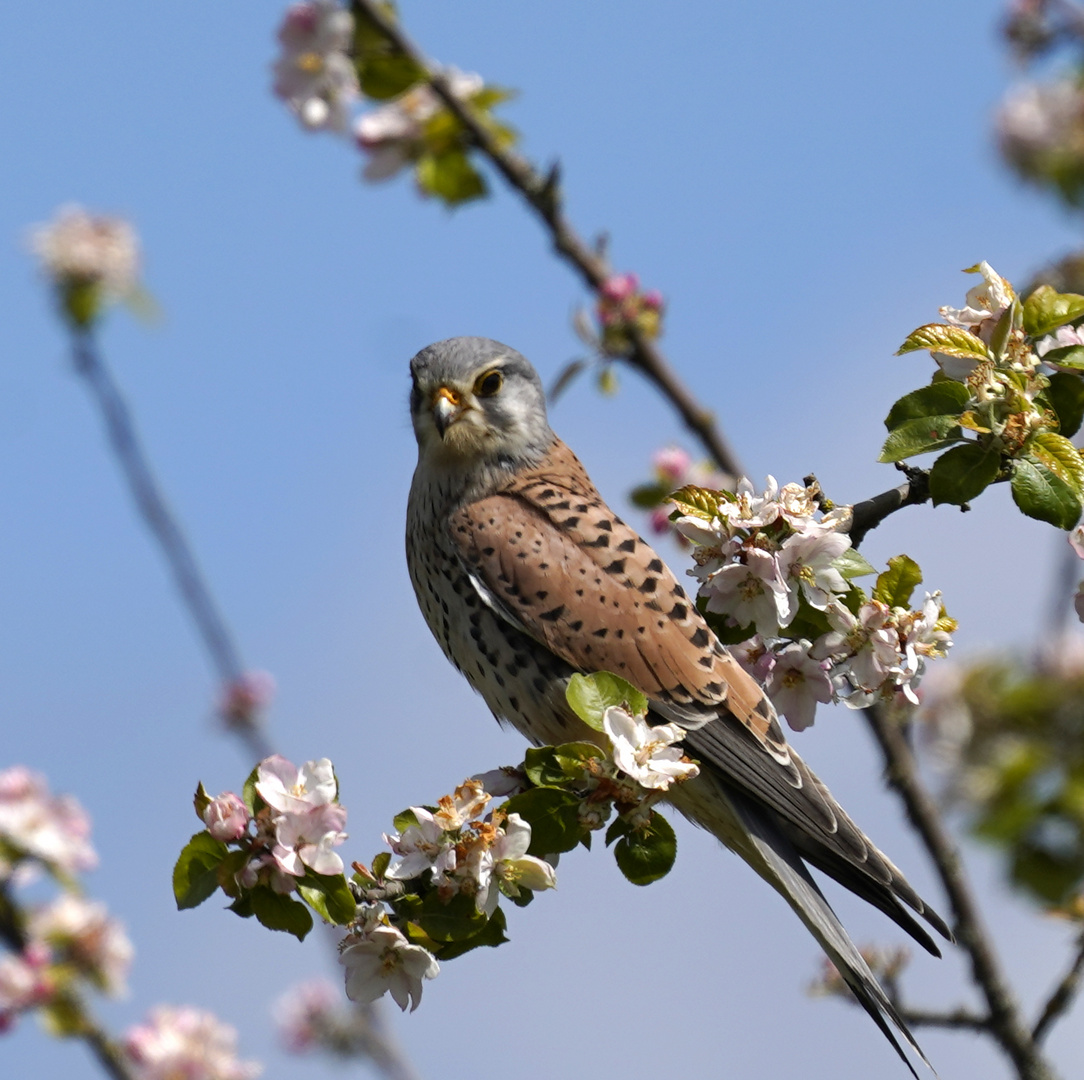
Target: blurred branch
103, 1046
1062, 997
1005, 1021
542, 194
158, 517
960, 1019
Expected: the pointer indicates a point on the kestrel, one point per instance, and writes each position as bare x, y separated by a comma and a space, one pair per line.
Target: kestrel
525, 577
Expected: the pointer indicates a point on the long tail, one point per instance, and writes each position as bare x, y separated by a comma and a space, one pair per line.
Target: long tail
782, 867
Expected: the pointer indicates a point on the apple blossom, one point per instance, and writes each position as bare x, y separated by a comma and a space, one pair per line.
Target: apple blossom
82, 248
797, 683
512, 867
23, 985
805, 561
421, 847
314, 74
285, 787
306, 839
466, 804
751, 593
647, 753
182, 1042
82, 933
381, 960
226, 817
983, 302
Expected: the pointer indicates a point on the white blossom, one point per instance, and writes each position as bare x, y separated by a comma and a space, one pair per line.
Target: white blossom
79, 247
306, 839
511, 867
420, 847
1063, 337
647, 753
805, 561
315, 76
380, 961
285, 787
983, 302
177, 1042
797, 683
749, 510
751, 593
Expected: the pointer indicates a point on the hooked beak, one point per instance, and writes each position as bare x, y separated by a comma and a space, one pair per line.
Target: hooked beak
446, 408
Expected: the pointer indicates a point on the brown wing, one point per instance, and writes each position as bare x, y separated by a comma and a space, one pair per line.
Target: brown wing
555, 560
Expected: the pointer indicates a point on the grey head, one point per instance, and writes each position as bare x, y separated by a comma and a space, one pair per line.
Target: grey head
477, 403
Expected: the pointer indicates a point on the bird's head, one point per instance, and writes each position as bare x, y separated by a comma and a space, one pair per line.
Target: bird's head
476, 401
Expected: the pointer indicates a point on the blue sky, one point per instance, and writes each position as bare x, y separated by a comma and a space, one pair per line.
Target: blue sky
803, 182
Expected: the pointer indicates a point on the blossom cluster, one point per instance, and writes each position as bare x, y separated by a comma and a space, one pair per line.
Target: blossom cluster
776, 572
621, 307
180, 1041
673, 468
328, 67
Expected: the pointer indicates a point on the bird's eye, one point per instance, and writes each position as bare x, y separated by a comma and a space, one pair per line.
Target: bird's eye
489, 383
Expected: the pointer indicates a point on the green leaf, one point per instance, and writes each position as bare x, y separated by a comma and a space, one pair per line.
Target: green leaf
62, 1017
591, 695
457, 920
895, 586
491, 935
404, 820
380, 864
726, 630
329, 896
647, 853
242, 906
920, 436
1045, 310
554, 766
554, 817
250, 795
852, 564
942, 338
450, 176
201, 800
1066, 396
1059, 455
278, 912
388, 75
1070, 356
195, 874
229, 868
938, 399
963, 473
1043, 495
648, 496
999, 339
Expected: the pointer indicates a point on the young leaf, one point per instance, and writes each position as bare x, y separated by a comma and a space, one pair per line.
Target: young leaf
647, 853
250, 795
329, 896
895, 586
938, 399
1066, 396
591, 695
195, 874
851, 564
1043, 495
1045, 310
201, 800
1060, 456
387, 75
450, 176
278, 912
698, 502
920, 436
1069, 356
963, 473
380, 864
950, 340
554, 817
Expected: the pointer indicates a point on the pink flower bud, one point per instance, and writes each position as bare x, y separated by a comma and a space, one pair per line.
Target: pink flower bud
226, 817
244, 698
620, 287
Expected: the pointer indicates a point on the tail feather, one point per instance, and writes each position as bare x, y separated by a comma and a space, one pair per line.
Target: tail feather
783, 868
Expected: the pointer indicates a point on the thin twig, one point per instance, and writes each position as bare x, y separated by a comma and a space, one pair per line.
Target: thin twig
1062, 997
541, 193
1006, 1023
961, 1019
869, 513
163, 525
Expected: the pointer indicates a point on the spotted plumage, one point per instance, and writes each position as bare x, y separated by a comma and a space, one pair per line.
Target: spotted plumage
525, 576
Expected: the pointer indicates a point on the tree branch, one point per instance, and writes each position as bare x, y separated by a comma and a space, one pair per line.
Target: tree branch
1005, 1020
1063, 995
869, 513
959, 1019
541, 193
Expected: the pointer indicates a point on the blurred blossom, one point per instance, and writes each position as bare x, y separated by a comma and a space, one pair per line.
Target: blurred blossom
886, 962
33, 823
621, 307
246, 697
23, 985
380, 960
226, 817
674, 468
315, 75
393, 135
182, 1043
89, 258
1040, 130
314, 1015
82, 933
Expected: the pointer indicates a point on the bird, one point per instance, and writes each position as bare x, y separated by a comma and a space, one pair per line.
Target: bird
526, 577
